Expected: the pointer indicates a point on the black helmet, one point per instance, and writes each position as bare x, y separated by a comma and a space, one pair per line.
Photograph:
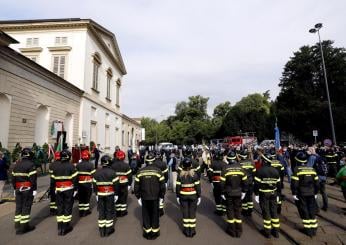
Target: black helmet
218, 155
243, 154
267, 158
65, 155
150, 157
187, 152
231, 155
301, 157
272, 152
158, 155
27, 153
105, 160
187, 163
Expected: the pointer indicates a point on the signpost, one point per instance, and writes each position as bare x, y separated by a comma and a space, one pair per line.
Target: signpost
315, 134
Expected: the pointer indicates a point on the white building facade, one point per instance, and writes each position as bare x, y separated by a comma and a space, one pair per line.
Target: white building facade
86, 55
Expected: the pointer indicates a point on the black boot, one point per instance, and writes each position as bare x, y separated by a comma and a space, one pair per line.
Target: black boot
192, 232
109, 231
52, 211
20, 229
67, 228
87, 212
266, 233
16, 225
186, 231
239, 230
249, 212
313, 231
231, 230
81, 213
275, 233
27, 228
161, 212
60, 228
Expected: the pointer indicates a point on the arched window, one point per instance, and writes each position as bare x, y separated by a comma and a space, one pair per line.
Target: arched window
68, 126
5, 109
109, 79
96, 66
41, 125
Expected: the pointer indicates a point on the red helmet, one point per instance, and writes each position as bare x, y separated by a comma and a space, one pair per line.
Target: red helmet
120, 155
85, 155
57, 155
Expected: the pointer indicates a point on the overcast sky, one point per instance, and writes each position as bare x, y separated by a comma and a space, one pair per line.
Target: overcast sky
220, 49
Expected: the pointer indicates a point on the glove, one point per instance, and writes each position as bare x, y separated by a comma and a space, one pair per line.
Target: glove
198, 201
34, 193
315, 196
278, 199
161, 200
295, 198
243, 195
97, 198
74, 193
212, 185
14, 192
166, 185
223, 197
178, 200
115, 198
257, 199
129, 188
140, 202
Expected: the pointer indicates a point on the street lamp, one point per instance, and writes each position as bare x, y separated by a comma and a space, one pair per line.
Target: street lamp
317, 28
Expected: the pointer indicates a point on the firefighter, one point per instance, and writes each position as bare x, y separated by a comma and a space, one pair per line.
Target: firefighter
85, 171
214, 175
52, 204
275, 163
164, 169
195, 165
304, 186
234, 187
106, 187
25, 188
188, 191
150, 190
123, 171
332, 161
266, 187
64, 178
250, 170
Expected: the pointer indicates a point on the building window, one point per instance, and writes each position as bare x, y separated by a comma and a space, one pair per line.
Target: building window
93, 132
128, 139
60, 41
117, 93
59, 65
109, 80
122, 138
33, 57
107, 137
32, 42
96, 66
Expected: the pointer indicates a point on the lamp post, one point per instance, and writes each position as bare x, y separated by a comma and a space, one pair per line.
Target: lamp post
314, 30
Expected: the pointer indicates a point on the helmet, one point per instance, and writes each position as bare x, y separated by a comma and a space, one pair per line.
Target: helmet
57, 156
85, 155
267, 158
231, 156
186, 163
120, 155
243, 154
27, 153
301, 157
218, 155
272, 152
150, 157
187, 152
65, 155
158, 154
105, 160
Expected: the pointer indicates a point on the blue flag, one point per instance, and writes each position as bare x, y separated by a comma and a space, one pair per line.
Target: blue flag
277, 136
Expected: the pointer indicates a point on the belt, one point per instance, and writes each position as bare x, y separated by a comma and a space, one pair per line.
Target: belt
268, 191
64, 184
105, 189
85, 178
23, 186
188, 189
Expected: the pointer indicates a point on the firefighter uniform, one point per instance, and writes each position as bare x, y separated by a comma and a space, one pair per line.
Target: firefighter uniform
267, 185
164, 170
281, 170
234, 186
64, 178
304, 186
25, 185
149, 189
106, 186
85, 171
52, 205
123, 171
214, 175
250, 170
332, 161
188, 190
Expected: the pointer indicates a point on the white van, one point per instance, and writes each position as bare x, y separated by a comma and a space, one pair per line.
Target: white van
165, 146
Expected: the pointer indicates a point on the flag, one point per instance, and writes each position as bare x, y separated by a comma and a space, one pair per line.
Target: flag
59, 147
277, 136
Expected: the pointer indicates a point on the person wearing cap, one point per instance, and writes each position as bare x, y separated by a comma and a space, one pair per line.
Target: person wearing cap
188, 191
52, 205
304, 186
150, 190
123, 171
267, 185
85, 171
106, 187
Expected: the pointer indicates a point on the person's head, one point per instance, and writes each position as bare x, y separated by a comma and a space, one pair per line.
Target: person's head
231, 157
267, 159
57, 156
65, 155
120, 155
187, 163
150, 158
27, 153
243, 154
85, 155
301, 158
105, 160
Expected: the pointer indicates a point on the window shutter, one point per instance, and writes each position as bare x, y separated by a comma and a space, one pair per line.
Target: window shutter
57, 40
64, 40
28, 42
55, 64
62, 66
35, 42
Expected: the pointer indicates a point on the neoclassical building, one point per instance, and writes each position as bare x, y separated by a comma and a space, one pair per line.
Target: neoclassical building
86, 55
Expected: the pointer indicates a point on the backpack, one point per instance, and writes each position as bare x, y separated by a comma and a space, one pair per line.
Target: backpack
321, 166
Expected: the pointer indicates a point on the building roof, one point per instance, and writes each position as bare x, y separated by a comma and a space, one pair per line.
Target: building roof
95, 28
6, 40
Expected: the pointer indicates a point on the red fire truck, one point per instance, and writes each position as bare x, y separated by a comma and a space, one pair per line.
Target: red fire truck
242, 140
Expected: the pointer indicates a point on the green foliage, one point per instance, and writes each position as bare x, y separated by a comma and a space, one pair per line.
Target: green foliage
7, 154
16, 152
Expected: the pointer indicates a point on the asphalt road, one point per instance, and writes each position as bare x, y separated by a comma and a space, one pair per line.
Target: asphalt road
128, 230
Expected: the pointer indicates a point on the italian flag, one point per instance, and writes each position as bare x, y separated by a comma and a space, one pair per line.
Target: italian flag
59, 147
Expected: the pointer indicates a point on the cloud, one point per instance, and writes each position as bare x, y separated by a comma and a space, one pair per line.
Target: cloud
176, 48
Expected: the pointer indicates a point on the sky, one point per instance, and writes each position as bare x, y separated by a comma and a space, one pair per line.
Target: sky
221, 49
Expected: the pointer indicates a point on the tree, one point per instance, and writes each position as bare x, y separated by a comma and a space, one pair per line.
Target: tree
301, 105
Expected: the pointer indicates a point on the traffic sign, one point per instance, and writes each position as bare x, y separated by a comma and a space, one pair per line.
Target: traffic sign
314, 133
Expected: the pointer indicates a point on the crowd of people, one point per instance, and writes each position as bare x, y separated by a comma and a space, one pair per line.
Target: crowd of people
238, 175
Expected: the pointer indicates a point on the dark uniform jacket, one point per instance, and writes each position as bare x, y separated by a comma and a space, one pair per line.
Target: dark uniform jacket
195, 166
64, 176
51, 167
279, 167
249, 169
85, 171
163, 167
106, 182
304, 181
234, 180
123, 171
188, 186
267, 180
24, 175
150, 183
215, 171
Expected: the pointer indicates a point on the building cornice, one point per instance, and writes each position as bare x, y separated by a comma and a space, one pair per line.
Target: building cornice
130, 120
60, 48
31, 50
